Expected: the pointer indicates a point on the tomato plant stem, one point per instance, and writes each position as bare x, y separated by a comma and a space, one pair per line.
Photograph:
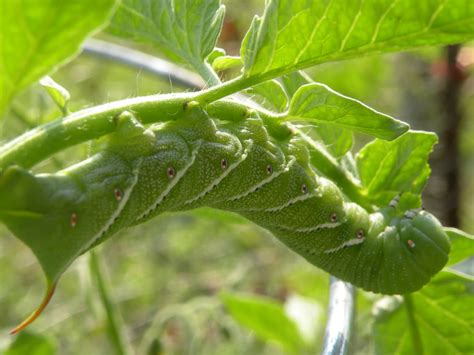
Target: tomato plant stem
115, 325
207, 73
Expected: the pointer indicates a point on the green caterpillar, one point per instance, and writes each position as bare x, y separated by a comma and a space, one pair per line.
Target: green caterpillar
240, 167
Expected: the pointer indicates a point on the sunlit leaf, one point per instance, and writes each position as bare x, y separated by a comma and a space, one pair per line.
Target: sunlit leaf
31, 344
226, 62
390, 168
443, 314
186, 31
462, 245
59, 94
318, 103
266, 318
272, 94
297, 34
293, 81
38, 36
337, 140
216, 53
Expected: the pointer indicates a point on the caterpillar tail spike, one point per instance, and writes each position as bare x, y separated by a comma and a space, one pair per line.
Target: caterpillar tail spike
237, 166
33, 316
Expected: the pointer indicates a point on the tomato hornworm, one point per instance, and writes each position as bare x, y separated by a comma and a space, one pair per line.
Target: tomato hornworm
237, 166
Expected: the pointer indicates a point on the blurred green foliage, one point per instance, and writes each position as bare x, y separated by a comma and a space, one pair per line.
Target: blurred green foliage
166, 275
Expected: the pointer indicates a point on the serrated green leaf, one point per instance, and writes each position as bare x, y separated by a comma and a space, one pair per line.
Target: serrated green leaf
31, 344
400, 166
37, 36
266, 318
316, 102
59, 94
297, 34
272, 94
462, 245
443, 313
337, 140
186, 31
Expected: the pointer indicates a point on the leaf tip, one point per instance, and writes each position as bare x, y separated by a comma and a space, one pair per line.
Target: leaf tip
402, 128
398, 129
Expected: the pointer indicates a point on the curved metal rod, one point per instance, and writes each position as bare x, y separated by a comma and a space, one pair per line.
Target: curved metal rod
341, 294
149, 63
340, 318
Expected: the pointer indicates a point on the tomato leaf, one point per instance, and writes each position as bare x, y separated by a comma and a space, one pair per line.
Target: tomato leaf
59, 94
38, 36
462, 245
185, 31
401, 166
31, 344
297, 34
266, 318
442, 312
316, 103
272, 95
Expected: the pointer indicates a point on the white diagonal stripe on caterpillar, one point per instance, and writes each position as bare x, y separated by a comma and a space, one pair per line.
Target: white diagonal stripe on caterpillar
222, 177
312, 228
259, 185
347, 243
121, 205
291, 161
291, 202
172, 184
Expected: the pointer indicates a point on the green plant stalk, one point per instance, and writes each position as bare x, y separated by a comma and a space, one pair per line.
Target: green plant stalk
43, 141
115, 327
207, 73
26, 121
228, 88
412, 325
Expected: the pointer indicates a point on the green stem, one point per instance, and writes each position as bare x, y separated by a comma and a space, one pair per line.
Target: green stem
228, 88
27, 122
43, 141
116, 329
207, 73
412, 325
237, 84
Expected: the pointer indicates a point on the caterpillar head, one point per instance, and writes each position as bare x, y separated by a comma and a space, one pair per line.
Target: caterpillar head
411, 250
383, 254
423, 236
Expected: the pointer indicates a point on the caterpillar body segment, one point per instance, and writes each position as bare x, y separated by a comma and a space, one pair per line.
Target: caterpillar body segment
198, 161
62, 215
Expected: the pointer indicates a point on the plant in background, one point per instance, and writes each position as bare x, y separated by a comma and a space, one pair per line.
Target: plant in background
269, 144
